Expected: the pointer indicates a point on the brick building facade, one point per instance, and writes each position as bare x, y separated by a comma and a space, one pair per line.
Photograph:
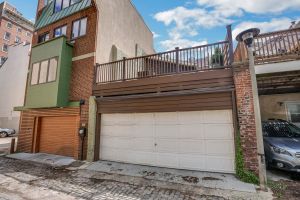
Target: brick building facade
14, 28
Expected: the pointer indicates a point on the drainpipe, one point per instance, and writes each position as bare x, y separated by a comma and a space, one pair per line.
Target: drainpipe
247, 37
82, 130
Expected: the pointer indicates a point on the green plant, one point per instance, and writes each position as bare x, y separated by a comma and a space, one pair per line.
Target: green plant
217, 58
243, 174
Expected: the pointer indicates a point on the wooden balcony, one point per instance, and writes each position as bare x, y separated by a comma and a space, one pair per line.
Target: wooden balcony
206, 67
273, 47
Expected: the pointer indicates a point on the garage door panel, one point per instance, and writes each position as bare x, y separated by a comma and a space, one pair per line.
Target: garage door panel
218, 131
192, 147
219, 164
219, 147
168, 118
166, 131
144, 118
167, 146
191, 131
187, 118
118, 130
58, 135
217, 116
196, 140
143, 131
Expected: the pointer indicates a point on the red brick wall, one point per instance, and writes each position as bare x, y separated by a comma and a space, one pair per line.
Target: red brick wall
246, 118
81, 77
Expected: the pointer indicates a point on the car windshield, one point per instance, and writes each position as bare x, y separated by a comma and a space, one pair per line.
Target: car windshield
281, 129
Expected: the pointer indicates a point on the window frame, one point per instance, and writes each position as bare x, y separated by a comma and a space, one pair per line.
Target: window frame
79, 28
8, 26
3, 48
43, 34
60, 27
62, 4
5, 36
288, 113
20, 40
19, 30
39, 71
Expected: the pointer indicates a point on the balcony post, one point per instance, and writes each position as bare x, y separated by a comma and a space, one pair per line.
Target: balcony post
177, 59
229, 38
124, 68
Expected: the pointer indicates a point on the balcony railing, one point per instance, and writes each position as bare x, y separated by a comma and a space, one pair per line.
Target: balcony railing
273, 46
194, 59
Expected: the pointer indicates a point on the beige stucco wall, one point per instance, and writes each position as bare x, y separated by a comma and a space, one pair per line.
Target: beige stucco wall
121, 25
13, 75
272, 106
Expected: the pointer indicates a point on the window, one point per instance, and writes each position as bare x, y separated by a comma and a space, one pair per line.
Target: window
5, 48
43, 38
35, 73
44, 71
2, 60
9, 25
19, 30
52, 70
79, 28
60, 31
28, 34
293, 112
7, 36
18, 39
61, 4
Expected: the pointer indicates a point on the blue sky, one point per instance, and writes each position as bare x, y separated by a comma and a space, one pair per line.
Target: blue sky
187, 23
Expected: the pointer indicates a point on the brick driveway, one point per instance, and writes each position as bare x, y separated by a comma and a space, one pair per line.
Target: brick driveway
24, 180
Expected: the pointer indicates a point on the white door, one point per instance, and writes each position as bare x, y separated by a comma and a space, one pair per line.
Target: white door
200, 140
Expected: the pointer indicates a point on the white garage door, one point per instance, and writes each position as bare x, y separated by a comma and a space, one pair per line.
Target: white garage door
185, 140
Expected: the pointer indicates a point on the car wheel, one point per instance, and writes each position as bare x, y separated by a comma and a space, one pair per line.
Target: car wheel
3, 134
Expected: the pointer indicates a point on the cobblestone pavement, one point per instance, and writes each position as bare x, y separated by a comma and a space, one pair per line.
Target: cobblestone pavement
30, 181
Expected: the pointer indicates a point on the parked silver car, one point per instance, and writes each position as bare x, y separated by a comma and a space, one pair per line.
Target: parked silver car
5, 132
282, 145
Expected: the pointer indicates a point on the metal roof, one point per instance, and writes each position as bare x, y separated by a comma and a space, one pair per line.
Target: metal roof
48, 16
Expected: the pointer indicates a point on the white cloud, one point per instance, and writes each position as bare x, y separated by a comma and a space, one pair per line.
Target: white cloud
268, 26
185, 23
171, 44
155, 35
251, 6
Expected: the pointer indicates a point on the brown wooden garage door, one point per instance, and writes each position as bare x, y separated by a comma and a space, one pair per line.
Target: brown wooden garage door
58, 135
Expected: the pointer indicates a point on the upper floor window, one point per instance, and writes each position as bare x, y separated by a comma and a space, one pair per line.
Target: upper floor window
5, 48
44, 71
7, 36
44, 37
61, 4
9, 25
28, 34
60, 31
18, 39
19, 30
79, 28
2, 60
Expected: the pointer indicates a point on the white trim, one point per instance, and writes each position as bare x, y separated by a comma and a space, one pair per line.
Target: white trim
288, 114
88, 55
278, 67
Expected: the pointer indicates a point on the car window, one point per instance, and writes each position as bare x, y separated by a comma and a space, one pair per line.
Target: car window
280, 129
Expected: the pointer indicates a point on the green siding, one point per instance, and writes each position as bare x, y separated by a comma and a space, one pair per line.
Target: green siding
54, 94
48, 16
